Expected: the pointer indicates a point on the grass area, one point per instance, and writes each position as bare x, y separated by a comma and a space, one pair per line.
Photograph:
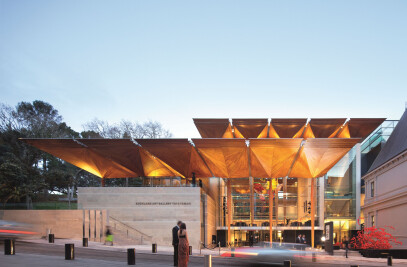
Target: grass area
55, 206
50, 205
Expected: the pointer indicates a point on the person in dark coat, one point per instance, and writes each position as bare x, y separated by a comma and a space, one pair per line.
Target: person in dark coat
346, 245
303, 239
299, 239
175, 241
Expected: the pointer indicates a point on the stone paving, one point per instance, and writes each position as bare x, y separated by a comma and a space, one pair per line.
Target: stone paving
167, 250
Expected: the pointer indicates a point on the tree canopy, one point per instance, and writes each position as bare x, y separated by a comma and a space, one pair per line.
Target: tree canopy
26, 172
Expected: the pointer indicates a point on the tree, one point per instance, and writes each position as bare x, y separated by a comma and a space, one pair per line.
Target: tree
21, 161
125, 129
8, 121
90, 134
374, 238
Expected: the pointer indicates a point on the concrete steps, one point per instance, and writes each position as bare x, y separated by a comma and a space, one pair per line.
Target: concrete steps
126, 235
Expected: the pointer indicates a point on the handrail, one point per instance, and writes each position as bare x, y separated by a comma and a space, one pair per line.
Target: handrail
129, 227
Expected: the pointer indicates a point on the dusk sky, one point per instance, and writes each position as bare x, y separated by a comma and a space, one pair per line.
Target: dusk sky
172, 61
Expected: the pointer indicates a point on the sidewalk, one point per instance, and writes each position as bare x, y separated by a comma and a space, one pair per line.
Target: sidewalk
168, 250
145, 249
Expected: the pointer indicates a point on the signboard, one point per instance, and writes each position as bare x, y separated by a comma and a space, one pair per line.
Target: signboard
329, 233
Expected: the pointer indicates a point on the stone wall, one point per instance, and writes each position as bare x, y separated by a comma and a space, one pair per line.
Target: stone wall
210, 214
62, 223
153, 211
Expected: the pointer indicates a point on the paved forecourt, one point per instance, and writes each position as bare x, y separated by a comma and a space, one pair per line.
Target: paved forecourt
41, 253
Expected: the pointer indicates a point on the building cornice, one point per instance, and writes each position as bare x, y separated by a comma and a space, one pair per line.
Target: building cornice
386, 166
397, 199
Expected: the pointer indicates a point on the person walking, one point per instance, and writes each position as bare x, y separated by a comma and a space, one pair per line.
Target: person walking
183, 246
108, 236
175, 241
346, 244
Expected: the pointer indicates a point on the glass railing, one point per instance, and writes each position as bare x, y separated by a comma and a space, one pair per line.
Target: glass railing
381, 134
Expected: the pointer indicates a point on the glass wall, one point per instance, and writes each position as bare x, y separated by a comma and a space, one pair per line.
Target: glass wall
373, 144
340, 188
292, 199
340, 196
241, 201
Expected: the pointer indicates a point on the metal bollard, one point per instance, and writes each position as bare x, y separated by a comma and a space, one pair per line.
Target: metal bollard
232, 252
85, 242
287, 263
69, 251
131, 256
190, 250
51, 238
389, 261
219, 248
154, 248
208, 260
314, 258
9, 247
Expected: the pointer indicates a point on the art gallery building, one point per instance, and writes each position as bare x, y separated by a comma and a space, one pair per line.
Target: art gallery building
245, 181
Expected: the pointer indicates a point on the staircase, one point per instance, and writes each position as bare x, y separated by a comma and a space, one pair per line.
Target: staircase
127, 235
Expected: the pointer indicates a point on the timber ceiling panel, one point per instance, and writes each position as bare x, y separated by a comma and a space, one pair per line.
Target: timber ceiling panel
122, 151
154, 167
272, 158
177, 153
361, 128
82, 157
227, 158
213, 128
318, 156
325, 128
250, 128
288, 128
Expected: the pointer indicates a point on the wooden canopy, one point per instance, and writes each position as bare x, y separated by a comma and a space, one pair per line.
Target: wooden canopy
226, 158
285, 147
287, 128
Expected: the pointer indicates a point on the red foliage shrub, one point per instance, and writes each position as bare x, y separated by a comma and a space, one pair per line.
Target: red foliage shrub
374, 238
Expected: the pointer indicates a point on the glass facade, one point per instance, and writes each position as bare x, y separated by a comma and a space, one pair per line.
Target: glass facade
291, 208
374, 142
340, 195
340, 188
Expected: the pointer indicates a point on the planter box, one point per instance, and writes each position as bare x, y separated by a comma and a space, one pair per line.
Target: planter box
383, 253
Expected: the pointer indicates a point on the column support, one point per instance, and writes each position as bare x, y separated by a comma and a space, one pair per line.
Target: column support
276, 200
103, 182
358, 184
285, 199
312, 211
321, 200
229, 206
251, 183
271, 211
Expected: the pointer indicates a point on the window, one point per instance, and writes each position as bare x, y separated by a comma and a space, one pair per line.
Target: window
372, 220
372, 189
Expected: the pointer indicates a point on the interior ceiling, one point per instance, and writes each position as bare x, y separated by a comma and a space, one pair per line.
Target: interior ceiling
264, 151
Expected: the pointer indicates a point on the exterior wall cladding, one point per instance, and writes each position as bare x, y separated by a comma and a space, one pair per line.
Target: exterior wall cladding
386, 198
151, 210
